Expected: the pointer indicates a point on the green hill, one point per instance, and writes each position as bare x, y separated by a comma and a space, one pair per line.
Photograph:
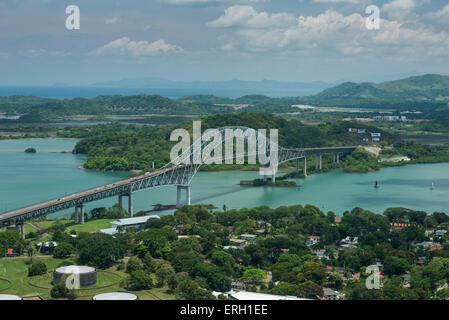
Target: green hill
426, 88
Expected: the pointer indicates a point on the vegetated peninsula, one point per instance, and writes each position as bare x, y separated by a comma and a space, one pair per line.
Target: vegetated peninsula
268, 182
120, 147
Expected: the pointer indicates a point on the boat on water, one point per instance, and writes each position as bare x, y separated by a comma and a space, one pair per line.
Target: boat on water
432, 186
376, 185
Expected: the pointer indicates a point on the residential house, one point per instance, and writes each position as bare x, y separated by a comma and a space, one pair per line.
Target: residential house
238, 242
47, 247
427, 245
321, 254
440, 233
312, 240
330, 294
248, 237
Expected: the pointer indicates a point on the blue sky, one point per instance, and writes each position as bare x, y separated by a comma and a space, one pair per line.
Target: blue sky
188, 40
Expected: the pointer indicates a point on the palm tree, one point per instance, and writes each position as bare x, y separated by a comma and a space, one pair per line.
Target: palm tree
30, 250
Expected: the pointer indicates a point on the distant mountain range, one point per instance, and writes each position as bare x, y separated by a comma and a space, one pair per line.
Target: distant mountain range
229, 88
424, 88
426, 91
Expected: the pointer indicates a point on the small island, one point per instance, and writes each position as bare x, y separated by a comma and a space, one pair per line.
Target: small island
261, 182
30, 150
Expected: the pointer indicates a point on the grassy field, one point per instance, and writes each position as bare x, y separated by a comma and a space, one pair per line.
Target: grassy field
16, 271
89, 226
92, 226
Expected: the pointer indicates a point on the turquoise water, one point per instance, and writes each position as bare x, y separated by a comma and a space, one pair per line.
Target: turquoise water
30, 178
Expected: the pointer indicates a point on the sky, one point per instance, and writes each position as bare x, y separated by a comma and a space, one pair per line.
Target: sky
214, 40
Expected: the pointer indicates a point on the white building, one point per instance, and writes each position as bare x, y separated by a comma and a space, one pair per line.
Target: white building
136, 222
246, 295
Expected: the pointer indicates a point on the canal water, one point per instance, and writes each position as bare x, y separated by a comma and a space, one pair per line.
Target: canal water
26, 179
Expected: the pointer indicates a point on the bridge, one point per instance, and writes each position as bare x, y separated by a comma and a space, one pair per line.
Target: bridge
179, 172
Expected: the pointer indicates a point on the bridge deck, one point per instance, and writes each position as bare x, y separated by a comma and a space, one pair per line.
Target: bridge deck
78, 195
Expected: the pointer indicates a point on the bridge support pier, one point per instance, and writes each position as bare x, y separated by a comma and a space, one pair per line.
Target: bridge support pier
338, 158
297, 165
305, 166
130, 204
188, 195
76, 215
316, 162
20, 227
178, 196
120, 200
82, 213
321, 162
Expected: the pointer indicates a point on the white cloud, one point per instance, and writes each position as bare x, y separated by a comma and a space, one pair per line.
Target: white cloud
330, 34
111, 20
188, 2
125, 46
33, 53
443, 13
247, 16
338, 1
400, 9
400, 5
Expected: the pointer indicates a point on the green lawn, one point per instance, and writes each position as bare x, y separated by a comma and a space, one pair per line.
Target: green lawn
89, 226
15, 270
92, 226
29, 228
45, 224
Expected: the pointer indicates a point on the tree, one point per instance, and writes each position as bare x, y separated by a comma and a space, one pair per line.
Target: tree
116, 212
11, 239
310, 290
37, 269
395, 265
30, 250
138, 280
164, 273
314, 271
254, 276
134, 264
100, 250
63, 250
190, 290
172, 282
61, 291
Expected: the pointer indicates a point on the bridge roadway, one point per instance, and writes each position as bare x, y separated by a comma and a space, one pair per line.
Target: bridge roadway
179, 175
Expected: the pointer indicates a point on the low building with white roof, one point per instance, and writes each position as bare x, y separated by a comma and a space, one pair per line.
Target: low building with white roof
246, 295
127, 223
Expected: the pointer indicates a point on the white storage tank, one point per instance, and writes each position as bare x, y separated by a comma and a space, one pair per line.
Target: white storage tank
115, 296
87, 275
9, 297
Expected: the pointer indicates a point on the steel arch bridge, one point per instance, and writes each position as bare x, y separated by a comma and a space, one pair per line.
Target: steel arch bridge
179, 172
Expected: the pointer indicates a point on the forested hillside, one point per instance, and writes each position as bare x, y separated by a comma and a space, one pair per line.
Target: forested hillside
120, 147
